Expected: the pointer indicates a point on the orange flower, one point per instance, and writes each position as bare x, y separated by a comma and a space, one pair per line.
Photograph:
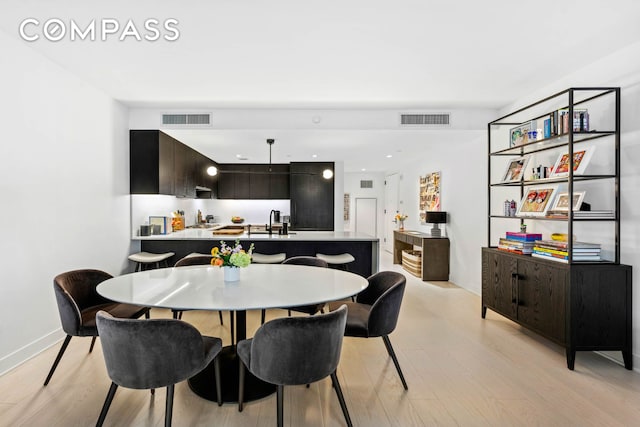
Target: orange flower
216, 262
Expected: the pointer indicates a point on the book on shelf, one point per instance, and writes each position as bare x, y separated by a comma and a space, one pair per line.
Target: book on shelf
564, 260
543, 250
580, 120
516, 246
560, 244
524, 237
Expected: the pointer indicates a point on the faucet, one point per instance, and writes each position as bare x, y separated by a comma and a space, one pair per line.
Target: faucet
276, 218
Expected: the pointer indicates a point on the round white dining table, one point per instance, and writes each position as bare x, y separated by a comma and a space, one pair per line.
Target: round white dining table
261, 286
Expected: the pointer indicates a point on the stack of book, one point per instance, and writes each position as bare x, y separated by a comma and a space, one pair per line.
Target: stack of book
519, 243
559, 251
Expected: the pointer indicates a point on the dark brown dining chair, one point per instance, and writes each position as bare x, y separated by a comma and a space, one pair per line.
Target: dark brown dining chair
295, 351
313, 262
375, 312
78, 302
149, 354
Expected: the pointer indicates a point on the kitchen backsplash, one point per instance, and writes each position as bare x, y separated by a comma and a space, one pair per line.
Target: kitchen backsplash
253, 211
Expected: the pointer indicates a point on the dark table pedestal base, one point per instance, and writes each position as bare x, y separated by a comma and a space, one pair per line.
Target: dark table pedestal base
204, 383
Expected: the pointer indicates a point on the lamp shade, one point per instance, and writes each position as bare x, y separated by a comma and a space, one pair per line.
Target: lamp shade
436, 217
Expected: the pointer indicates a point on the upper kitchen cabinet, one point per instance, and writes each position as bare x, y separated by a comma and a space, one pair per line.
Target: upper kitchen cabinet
312, 196
160, 164
184, 161
151, 162
253, 181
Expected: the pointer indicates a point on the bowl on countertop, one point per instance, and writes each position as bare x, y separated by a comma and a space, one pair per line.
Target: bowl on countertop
237, 220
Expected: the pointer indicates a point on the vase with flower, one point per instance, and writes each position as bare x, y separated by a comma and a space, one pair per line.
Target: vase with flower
231, 259
400, 220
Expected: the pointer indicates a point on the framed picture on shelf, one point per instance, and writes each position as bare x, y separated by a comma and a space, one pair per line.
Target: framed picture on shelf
561, 203
581, 159
519, 135
537, 201
515, 169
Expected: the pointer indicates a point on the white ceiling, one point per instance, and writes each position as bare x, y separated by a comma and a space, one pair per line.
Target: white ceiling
330, 54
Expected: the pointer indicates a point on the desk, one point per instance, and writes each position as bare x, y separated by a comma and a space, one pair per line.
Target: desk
203, 288
435, 252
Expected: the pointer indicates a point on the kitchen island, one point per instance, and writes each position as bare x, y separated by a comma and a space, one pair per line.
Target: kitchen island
364, 248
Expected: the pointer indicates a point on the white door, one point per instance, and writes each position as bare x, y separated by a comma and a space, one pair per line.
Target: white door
367, 216
391, 207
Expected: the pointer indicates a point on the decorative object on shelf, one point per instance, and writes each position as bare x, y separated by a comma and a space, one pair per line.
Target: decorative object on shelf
231, 258
435, 218
519, 135
515, 169
580, 161
536, 201
523, 228
561, 203
429, 194
347, 203
400, 220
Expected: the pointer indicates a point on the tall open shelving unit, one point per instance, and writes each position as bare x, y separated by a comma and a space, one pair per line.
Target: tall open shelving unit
581, 305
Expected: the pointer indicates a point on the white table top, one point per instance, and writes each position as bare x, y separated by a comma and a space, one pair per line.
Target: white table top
260, 286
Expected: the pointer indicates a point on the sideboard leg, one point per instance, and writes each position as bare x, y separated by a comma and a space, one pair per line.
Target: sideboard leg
484, 311
571, 358
627, 356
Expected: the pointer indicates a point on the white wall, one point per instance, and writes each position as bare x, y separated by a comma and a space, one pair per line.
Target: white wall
64, 180
621, 68
352, 186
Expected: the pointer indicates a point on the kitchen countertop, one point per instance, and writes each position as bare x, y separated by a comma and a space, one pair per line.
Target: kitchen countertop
208, 234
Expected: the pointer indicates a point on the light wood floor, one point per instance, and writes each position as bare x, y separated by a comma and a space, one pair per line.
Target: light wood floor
461, 370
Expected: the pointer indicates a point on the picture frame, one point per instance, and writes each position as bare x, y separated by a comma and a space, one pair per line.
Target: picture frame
516, 169
561, 202
581, 158
519, 135
536, 201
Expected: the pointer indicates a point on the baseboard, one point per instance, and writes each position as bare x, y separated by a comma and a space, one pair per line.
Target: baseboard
18, 357
617, 358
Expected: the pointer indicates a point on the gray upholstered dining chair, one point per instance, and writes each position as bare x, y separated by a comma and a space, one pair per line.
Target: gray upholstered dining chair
198, 259
313, 262
153, 353
78, 302
295, 351
375, 312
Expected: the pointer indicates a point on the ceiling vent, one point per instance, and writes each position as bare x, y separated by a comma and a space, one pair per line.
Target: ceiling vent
438, 119
186, 119
366, 183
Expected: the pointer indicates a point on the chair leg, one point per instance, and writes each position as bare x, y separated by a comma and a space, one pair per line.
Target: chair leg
280, 399
216, 369
58, 357
147, 314
107, 404
289, 311
387, 344
93, 341
263, 315
221, 320
175, 314
169, 408
241, 386
343, 404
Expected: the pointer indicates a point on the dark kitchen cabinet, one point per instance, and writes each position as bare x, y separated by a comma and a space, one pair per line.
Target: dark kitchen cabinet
185, 159
312, 196
253, 181
160, 164
204, 180
151, 158
579, 306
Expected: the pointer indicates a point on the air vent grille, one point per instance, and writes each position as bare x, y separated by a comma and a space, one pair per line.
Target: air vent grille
366, 183
186, 119
425, 119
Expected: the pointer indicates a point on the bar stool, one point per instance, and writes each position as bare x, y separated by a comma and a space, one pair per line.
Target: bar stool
146, 258
267, 259
340, 260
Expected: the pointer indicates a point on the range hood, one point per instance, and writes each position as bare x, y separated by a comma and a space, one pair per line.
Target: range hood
203, 192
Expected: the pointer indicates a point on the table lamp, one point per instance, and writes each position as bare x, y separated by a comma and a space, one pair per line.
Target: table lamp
435, 218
